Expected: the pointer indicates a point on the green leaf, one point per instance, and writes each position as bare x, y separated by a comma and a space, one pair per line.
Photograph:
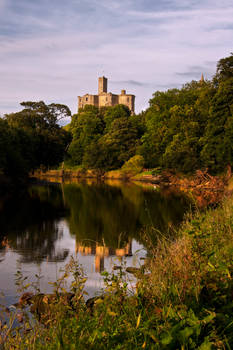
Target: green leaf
186, 333
206, 345
166, 339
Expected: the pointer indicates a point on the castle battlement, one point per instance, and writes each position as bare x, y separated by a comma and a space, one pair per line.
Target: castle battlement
105, 98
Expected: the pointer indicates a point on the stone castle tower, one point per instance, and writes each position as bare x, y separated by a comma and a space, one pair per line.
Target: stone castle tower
105, 98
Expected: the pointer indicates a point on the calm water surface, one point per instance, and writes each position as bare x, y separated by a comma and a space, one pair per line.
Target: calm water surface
101, 224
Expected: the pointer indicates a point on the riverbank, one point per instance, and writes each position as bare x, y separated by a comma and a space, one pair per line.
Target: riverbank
183, 298
204, 188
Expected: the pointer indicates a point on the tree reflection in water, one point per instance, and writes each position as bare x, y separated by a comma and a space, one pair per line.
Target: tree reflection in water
114, 215
103, 219
30, 223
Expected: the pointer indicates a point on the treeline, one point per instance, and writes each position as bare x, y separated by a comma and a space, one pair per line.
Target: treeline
183, 129
32, 138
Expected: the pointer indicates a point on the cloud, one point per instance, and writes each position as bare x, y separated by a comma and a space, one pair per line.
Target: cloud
191, 74
55, 53
130, 82
195, 72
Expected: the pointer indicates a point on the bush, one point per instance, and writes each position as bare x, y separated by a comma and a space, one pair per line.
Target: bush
133, 166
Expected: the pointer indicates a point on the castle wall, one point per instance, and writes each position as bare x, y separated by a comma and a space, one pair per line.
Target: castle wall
88, 100
108, 99
115, 100
105, 100
127, 100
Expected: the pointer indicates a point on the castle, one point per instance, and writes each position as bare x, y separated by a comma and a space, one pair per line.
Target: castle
101, 252
104, 98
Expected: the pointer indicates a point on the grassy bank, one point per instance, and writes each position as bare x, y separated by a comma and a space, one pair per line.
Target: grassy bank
183, 298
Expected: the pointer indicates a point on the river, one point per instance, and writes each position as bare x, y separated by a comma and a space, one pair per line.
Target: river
101, 224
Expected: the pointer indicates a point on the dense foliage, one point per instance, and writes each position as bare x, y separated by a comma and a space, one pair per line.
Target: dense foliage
183, 129
105, 138
32, 138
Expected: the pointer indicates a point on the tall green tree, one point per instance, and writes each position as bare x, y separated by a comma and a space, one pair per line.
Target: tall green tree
118, 143
224, 69
15, 153
41, 123
217, 151
104, 139
87, 127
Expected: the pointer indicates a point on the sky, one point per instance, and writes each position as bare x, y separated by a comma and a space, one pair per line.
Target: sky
55, 50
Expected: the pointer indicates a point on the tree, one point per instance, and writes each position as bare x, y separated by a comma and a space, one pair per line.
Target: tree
134, 165
217, 150
113, 113
224, 69
39, 116
105, 138
48, 139
15, 152
87, 127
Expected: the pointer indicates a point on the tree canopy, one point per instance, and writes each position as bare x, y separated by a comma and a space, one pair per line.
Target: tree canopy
103, 139
32, 138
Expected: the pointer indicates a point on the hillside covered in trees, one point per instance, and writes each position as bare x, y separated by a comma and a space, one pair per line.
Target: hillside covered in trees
183, 129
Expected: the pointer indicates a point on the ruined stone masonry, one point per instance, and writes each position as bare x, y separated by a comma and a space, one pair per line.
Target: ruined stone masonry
105, 98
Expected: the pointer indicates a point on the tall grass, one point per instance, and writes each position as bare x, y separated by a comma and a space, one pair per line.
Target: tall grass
183, 298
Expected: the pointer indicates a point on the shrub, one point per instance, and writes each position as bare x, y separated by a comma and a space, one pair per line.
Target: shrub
134, 165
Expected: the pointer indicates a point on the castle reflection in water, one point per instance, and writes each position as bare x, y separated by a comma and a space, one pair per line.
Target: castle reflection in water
100, 252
